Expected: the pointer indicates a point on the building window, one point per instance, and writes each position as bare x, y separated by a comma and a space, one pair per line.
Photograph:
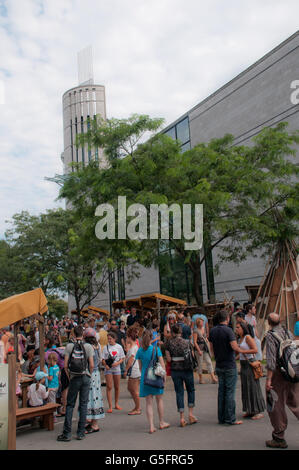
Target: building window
82, 132
182, 131
76, 130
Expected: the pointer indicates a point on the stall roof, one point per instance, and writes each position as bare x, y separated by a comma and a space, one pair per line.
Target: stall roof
98, 310
164, 298
20, 306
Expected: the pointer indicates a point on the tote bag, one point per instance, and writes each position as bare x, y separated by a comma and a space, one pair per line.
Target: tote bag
150, 378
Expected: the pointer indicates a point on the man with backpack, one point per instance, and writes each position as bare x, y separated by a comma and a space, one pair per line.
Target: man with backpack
78, 364
282, 383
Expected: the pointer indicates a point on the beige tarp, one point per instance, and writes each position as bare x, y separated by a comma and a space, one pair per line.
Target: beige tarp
18, 307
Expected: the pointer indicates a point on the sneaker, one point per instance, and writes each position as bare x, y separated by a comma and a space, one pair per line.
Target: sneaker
80, 437
63, 438
278, 444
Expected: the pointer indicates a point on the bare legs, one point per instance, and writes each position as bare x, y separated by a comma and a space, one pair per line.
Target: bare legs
110, 381
133, 388
150, 412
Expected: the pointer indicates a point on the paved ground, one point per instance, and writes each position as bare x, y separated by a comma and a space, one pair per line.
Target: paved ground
122, 432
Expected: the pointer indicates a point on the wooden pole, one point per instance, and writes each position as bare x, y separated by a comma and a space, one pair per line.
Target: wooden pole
41, 327
12, 402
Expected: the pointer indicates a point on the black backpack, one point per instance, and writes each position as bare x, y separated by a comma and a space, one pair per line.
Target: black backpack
77, 363
288, 357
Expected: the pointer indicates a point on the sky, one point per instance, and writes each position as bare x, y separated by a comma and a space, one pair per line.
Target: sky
156, 57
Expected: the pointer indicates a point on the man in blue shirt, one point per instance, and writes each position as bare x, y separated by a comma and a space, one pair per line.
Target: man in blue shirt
223, 346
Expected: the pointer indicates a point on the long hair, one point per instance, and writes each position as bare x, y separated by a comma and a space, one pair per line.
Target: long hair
132, 333
244, 327
146, 339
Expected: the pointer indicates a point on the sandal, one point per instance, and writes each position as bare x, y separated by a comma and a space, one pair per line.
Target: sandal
259, 416
193, 420
134, 412
118, 407
110, 410
183, 424
91, 430
152, 431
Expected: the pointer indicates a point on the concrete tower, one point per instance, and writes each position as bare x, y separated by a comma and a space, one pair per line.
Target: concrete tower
81, 105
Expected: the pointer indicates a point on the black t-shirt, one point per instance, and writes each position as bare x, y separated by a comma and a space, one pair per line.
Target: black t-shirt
221, 337
131, 320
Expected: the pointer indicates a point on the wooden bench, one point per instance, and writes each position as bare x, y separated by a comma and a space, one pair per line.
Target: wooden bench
45, 411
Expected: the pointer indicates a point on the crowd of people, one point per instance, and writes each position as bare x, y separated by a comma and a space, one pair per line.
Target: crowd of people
83, 357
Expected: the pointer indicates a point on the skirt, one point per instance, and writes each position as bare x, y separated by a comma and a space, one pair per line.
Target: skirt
252, 397
95, 406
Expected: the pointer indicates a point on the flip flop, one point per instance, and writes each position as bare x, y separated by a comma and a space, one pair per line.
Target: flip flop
133, 413
151, 432
110, 410
183, 424
118, 408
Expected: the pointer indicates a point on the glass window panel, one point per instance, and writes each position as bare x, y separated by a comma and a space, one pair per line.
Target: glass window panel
182, 130
185, 147
171, 133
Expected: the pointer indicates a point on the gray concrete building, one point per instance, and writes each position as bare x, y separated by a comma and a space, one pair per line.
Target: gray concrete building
264, 94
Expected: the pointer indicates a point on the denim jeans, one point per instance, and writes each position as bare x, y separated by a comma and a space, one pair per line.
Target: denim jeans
81, 385
227, 379
180, 377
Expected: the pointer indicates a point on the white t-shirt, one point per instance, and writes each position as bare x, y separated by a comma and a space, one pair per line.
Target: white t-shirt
37, 397
116, 352
135, 370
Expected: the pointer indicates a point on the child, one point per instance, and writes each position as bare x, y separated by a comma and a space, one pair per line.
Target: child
37, 392
53, 383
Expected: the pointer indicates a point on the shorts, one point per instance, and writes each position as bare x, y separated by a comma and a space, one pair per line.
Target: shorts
113, 372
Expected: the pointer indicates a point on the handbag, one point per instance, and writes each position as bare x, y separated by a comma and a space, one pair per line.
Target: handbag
257, 369
129, 371
159, 370
150, 378
109, 361
190, 361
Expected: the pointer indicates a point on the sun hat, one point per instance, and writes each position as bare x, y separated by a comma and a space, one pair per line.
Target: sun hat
40, 375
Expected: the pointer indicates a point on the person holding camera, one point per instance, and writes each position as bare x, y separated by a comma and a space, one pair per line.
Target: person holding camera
113, 356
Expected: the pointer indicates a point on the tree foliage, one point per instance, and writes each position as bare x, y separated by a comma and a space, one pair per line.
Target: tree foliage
249, 193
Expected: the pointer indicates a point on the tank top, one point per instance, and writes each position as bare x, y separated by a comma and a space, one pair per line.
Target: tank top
244, 345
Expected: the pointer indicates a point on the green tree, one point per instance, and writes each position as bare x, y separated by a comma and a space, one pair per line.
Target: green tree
50, 252
240, 187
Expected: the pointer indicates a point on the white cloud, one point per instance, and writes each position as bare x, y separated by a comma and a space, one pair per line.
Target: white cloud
159, 57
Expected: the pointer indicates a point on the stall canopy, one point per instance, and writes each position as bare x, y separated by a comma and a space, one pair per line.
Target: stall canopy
20, 306
150, 300
98, 310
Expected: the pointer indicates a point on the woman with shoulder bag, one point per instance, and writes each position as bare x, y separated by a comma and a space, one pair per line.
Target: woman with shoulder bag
252, 397
181, 373
202, 350
113, 356
95, 407
144, 356
132, 370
